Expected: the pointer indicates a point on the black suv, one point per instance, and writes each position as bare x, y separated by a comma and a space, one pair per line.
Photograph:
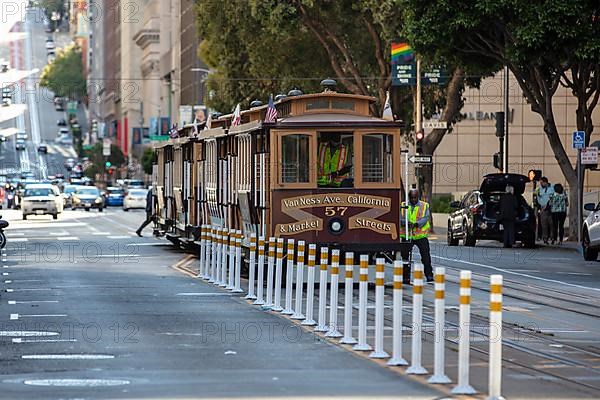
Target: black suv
477, 213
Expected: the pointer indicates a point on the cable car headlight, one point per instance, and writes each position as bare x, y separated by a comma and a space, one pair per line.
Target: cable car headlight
336, 226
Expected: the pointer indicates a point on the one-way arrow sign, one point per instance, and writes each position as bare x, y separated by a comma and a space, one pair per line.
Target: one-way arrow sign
421, 159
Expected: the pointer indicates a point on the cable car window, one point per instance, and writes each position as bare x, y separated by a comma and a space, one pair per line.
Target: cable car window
377, 158
295, 150
335, 160
317, 104
342, 104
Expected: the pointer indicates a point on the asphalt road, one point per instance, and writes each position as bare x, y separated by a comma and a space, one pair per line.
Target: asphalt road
89, 310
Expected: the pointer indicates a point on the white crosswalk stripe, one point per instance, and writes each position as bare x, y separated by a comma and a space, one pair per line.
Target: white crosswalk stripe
65, 151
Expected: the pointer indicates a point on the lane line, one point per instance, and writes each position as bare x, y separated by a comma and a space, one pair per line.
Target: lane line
119, 237
14, 302
517, 273
21, 340
68, 238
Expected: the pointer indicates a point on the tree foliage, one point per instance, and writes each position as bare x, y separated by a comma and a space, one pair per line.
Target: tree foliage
147, 159
97, 160
545, 45
51, 6
64, 76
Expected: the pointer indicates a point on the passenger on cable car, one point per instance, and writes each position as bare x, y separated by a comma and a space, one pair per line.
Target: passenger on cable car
335, 161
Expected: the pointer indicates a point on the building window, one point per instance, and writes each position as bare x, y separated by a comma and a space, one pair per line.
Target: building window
377, 158
295, 150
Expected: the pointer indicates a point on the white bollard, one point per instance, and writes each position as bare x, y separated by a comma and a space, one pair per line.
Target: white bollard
270, 273
322, 317
333, 300
310, 286
348, 297
260, 276
363, 291
210, 267
202, 252
237, 288
417, 322
397, 358
378, 352
495, 371
439, 376
299, 282
225, 254
219, 241
231, 272
289, 278
252, 268
278, 273
464, 331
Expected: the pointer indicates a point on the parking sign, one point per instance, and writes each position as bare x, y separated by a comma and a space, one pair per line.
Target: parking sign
578, 139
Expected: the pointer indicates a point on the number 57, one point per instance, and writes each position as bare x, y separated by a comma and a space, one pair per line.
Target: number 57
331, 211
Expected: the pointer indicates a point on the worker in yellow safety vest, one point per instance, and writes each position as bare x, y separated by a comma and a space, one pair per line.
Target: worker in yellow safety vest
418, 231
333, 157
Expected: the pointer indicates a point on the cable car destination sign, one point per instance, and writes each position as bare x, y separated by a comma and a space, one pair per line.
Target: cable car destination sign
342, 205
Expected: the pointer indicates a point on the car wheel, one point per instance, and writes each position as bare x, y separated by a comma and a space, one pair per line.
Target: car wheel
100, 209
87, 209
469, 239
450, 237
589, 253
54, 216
24, 217
126, 209
529, 241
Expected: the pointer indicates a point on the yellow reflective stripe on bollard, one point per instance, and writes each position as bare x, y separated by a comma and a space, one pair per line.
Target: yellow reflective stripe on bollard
418, 289
496, 289
465, 283
397, 284
418, 274
439, 294
379, 281
495, 306
440, 279
465, 299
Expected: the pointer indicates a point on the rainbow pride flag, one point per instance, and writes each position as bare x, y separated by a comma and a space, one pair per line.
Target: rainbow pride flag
402, 52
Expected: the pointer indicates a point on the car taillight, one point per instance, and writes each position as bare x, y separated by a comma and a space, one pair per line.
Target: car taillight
479, 209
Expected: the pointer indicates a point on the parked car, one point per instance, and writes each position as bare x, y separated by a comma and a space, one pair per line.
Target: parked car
476, 215
87, 197
63, 131
22, 135
42, 148
58, 104
41, 199
135, 198
62, 122
65, 140
20, 144
114, 196
590, 237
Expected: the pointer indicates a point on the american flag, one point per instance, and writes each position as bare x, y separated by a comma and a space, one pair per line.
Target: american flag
271, 115
237, 117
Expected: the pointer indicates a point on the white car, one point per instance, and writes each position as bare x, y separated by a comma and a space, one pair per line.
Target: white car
50, 45
590, 239
41, 199
135, 198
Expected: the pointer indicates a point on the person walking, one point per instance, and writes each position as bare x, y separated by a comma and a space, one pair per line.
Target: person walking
149, 212
419, 228
558, 207
543, 194
508, 213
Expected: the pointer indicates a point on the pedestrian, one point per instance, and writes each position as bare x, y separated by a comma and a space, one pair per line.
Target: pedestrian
542, 195
508, 214
149, 212
558, 206
419, 228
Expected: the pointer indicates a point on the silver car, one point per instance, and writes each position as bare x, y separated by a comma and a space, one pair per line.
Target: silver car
41, 199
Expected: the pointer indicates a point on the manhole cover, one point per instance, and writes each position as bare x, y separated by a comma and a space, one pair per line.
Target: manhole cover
76, 382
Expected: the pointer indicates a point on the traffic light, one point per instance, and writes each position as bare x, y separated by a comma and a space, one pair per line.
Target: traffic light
534, 175
498, 161
95, 126
107, 164
500, 124
111, 170
419, 136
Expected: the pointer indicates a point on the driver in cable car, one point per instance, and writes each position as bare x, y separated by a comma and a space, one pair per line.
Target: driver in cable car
334, 161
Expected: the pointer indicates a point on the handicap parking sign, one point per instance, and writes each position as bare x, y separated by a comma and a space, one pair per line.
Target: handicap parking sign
578, 139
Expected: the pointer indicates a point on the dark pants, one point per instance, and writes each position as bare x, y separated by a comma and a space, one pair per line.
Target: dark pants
423, 246
149, 219
509, 232
558, 225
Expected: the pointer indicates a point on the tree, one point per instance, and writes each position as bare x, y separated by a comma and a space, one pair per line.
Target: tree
147, 160
64, 76
97, 160
544, 44
51, 6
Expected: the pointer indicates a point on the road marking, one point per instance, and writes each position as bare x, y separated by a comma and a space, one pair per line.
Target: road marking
41, 315
116, 255
51, 225
5, 273
150, 244
14, 317
76, 382
518, 274
28, 333
19, 340
13, 302
17, 240
30, 290
559, 330
119, 237
68, 238
66, 356
205, 294
63, 233
11, 234
573, 273
7, 281
101, 233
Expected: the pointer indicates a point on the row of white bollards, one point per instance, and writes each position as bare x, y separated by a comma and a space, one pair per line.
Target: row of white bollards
220, 263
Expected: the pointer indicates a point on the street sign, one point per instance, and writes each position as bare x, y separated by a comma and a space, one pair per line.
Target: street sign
435, 124
578, 139
589, 156
106, 147
421, 159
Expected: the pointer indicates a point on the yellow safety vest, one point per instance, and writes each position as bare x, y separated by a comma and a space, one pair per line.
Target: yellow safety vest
415, 213
330, 163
